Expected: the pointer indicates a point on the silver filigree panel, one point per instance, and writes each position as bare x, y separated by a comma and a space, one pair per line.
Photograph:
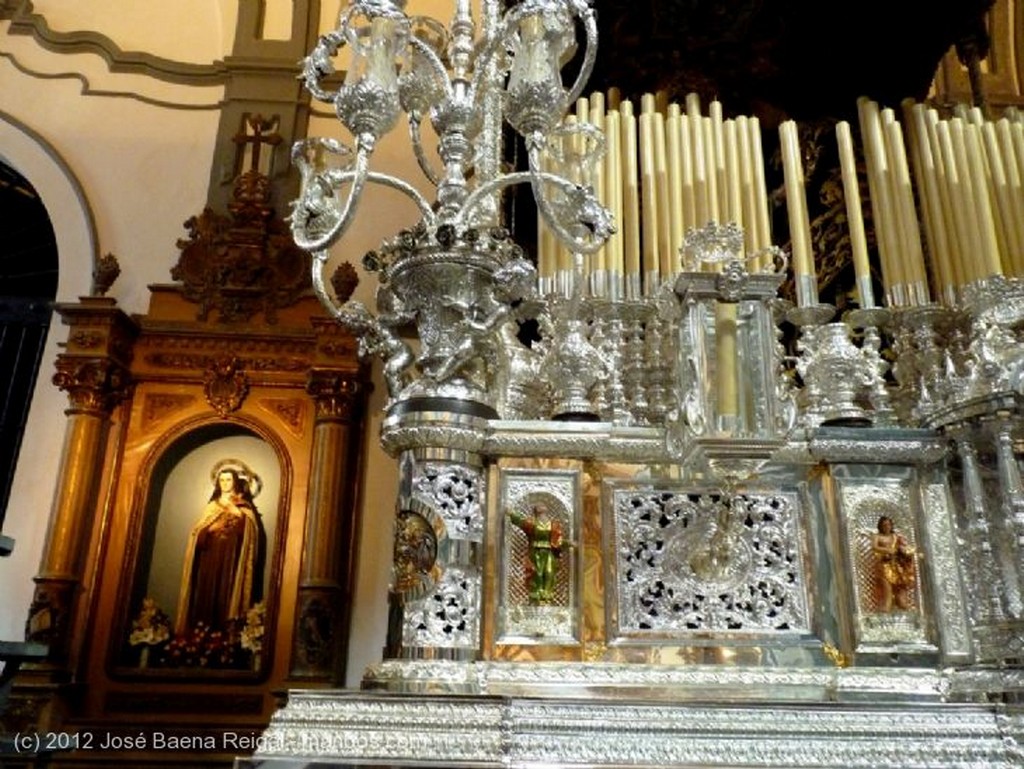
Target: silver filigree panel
523, 616
455, 491
689, 562
448, 616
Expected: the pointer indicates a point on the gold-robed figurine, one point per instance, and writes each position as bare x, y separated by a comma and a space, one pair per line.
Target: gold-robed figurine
544, 535
896, 567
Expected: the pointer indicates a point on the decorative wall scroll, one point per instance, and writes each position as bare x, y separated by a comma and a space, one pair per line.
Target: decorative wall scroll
539, 581
690, 561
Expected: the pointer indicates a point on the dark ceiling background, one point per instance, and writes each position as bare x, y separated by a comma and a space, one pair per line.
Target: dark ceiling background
778, 59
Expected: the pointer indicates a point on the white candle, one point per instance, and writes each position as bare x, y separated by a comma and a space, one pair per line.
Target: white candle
614, 183
675, 184
599, 261
973, 266
927, 185
631, 201
913, 256
700, 184
796, 208
649, 192
734, 197
895, 213
954, 207
1009, 246
878, 189
726, 384
763, 217
986, 222
718, 145
1016, 189
747, 191
665, 260
854, 215
711, 169
686, 165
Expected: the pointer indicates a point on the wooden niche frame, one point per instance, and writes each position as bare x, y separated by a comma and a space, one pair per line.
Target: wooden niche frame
169, 502
186, 397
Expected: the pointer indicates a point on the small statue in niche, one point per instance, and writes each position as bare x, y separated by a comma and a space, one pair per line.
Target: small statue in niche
544, 535
222, 575
896, 568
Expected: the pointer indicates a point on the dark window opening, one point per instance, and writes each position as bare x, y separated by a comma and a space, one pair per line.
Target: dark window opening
28, 285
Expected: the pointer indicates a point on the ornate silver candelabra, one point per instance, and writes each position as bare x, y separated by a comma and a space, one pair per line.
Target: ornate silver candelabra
456, 274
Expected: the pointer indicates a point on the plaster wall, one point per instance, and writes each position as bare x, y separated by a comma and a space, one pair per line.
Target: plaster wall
120, 161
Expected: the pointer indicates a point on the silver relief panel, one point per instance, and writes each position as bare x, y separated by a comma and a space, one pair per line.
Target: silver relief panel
689, 562
885, 562
940, 539
523, 615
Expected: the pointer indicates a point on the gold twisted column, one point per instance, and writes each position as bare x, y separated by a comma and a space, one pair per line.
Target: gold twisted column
94, 373
322, 614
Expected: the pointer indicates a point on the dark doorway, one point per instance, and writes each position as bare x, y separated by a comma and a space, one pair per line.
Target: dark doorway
28, 285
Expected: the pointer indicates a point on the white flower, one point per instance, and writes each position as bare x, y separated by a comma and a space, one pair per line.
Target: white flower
252, 633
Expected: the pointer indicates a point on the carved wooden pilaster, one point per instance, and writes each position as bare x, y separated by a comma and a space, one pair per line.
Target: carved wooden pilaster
93, 371
321, 631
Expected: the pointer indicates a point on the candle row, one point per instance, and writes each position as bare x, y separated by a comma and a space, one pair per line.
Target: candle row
967, 175
664, 171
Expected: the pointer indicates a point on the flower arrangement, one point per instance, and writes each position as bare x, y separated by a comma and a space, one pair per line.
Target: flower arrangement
152, 627
203, 647
252, 633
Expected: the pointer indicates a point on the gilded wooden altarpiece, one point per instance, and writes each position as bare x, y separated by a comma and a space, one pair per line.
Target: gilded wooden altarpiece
243, 400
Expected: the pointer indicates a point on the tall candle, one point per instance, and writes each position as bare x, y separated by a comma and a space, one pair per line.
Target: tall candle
726, 384
913, 256
630, 201
564, 259
614, 184
599, 260
1017, 132
686, 165
1016, 189
959, 204
796, 208
711, 169
747, 191
733, 180
675, 184
878, 188
718, 144
854, 215
700, 184
1011, 248
762, 217
665, 260
927, 183
649, 191
973, 261
546, 248
895, 213
990, 249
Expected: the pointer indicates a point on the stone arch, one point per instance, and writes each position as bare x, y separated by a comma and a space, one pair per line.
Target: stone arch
33, 157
